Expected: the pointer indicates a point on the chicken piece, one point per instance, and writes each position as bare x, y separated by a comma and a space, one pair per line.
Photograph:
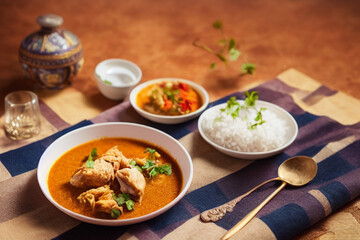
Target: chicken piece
101, 174
132, 182
100, 199
114, 156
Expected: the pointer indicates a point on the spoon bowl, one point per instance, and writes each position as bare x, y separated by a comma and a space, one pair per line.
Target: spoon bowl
298, 171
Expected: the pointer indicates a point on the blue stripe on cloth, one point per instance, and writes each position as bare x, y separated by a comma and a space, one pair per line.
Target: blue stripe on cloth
311, 151
178, 213
177, 131
287, 221
336, 193
304, 119
27, 157
206, 197
331, 168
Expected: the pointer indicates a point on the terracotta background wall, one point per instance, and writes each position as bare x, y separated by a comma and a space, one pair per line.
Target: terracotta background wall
317, 37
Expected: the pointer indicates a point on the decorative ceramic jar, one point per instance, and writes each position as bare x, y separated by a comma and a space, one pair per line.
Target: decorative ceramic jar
51, 56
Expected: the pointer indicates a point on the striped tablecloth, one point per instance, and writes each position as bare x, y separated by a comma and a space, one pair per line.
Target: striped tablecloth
329, 131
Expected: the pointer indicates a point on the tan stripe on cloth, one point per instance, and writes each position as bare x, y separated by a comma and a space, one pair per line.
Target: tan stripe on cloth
43, 223
333, 147
209, 164
322, 200
336, 106
71, 105
26, 214
4, 173
195, 229
7, 144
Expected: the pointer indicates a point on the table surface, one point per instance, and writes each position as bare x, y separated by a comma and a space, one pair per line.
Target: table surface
318, 38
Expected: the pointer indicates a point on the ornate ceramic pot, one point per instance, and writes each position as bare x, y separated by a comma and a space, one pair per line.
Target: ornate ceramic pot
51, 56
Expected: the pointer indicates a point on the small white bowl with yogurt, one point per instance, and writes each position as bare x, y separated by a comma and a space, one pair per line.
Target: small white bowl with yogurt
116, 77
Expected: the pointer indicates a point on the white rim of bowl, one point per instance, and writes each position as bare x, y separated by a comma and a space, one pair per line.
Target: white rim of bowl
292, 139
203, 93
119, 60
110, 222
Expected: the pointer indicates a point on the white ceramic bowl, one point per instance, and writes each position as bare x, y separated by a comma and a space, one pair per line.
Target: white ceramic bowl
290, 136
116, 77
169, 119
127, 130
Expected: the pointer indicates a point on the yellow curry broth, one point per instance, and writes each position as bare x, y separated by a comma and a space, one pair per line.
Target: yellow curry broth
143, 98
159, 190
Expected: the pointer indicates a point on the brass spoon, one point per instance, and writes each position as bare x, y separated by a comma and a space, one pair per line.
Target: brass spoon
296, 171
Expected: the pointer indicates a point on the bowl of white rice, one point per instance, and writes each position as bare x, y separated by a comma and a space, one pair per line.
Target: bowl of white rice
244, 136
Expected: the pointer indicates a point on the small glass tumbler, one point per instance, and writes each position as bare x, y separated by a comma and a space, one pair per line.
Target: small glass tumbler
22, 115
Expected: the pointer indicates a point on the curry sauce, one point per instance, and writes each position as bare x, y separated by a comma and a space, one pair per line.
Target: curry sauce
159, 191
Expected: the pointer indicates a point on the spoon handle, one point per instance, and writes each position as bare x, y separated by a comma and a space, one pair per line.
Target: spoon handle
217, 213
252, 214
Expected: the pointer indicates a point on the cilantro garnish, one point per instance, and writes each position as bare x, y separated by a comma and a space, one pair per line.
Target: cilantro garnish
233, 108
115, 213
134, 164
171, 94
154, 169
152, 153
90, 161
148, 165
228, 50
251, 98
248, 68
124, 198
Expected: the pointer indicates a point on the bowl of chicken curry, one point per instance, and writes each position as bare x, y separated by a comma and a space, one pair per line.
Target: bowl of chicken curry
115, 173
169, 100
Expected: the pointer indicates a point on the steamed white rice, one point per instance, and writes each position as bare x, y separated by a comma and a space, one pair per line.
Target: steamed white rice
235, 134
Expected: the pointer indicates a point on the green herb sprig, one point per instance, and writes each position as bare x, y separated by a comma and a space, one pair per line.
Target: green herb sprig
90, 161
124, 198
233, 108
115, 213
229, 50
152, 169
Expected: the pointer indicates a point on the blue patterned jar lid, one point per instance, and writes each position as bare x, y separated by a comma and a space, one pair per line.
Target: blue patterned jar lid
51, 46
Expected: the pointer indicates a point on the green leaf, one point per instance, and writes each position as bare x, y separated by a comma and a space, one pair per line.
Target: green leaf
166, 168
107, 82
148, 165
248, 68
212, 66
120, 200
150, 150
217, 24
115, 213
251, 98
221, 57
232, 108
231, 44
124, 198
130, 205
153, 172
90, 162
234, 54
222, 42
